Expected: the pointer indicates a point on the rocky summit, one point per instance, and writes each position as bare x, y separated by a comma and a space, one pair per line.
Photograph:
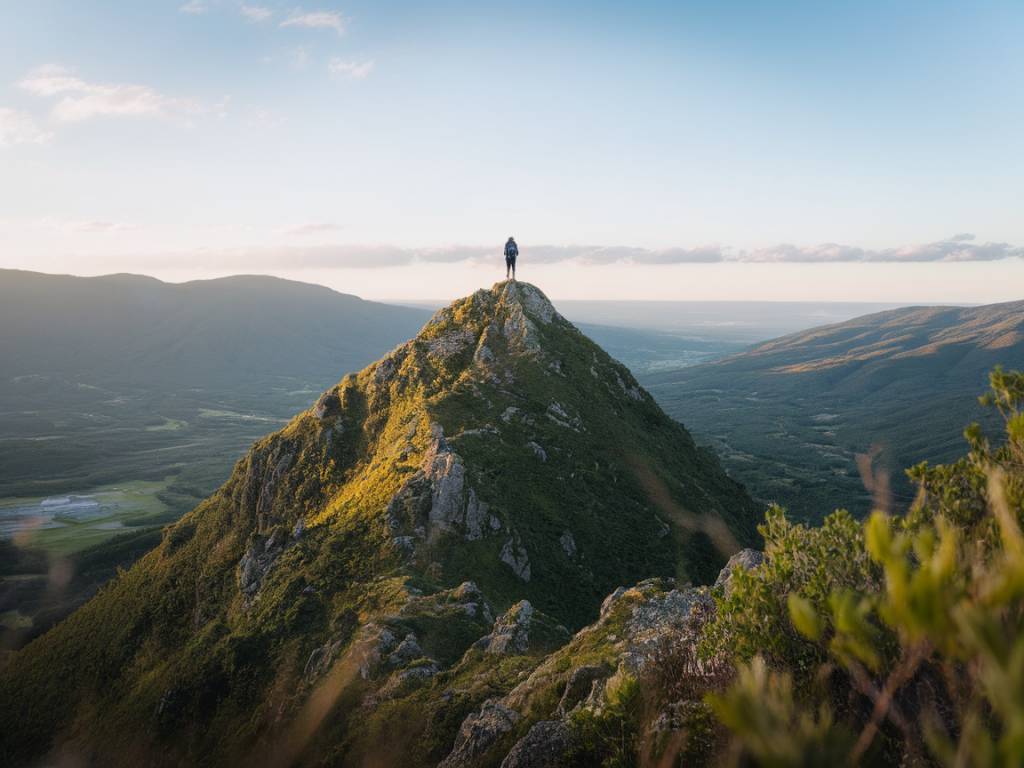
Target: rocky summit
432, 565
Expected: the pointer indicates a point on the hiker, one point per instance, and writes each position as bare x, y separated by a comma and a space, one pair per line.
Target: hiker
511, 251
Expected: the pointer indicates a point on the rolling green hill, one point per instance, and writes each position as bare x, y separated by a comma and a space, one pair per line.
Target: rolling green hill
791, 416
305, 609
125, 377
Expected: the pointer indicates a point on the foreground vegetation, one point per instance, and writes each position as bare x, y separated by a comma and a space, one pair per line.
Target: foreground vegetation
896, 641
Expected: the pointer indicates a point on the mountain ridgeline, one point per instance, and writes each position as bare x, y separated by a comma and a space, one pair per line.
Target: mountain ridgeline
832, 416
389, 562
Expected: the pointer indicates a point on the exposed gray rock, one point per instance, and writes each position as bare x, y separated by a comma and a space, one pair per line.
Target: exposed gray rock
478, 733
476, 517
385, 370
511, 633
328, 406
437, 498
472, 601
447, 475
556, 412
419, 672
406, 652
568, 543
545, 745
467, 590
259, 559
580, 686
370, 647
320, 660
451, 342
632, 391
745, 558
509, 413
404, 544
608, 602
539, 452
535, 303
515, 556
657, 617
483, 355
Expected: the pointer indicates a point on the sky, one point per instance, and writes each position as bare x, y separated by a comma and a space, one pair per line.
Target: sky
646, 150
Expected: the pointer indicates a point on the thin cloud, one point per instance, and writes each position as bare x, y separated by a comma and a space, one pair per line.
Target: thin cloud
312, 228
316, 20
327, 256
298, 58
93, 226
194, 7
960, 247
83, 100
18, 127
255, 13
351, 70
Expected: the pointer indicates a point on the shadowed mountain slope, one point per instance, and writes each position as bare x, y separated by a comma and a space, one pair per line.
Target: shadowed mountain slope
791, 416
348, 576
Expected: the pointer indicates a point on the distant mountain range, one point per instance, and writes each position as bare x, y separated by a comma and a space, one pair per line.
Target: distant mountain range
182, 374
129, 329
791, 416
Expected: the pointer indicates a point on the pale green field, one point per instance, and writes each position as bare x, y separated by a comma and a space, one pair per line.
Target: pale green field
132, 502
169, 425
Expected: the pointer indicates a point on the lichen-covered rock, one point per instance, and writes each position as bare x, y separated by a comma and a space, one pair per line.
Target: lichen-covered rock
747, 559
451, 342
511, 633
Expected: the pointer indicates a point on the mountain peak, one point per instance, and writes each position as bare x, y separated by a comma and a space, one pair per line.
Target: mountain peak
498, 461
510, 308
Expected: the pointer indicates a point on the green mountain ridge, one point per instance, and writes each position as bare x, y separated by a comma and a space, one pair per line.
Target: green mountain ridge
350, 577
801, 419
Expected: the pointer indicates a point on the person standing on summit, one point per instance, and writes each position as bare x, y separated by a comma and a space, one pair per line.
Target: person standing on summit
511, 251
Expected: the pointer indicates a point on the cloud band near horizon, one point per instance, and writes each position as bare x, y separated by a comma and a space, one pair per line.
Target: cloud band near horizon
959, 248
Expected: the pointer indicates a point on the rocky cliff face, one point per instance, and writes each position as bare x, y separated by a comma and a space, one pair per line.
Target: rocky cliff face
384, 576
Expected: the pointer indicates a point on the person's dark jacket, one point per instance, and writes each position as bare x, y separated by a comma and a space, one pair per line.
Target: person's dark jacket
511, 249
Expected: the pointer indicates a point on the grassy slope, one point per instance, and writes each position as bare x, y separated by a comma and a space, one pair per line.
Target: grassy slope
169, 658
790, 416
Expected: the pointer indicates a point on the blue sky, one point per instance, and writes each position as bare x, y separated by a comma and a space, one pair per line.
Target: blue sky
663, 150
